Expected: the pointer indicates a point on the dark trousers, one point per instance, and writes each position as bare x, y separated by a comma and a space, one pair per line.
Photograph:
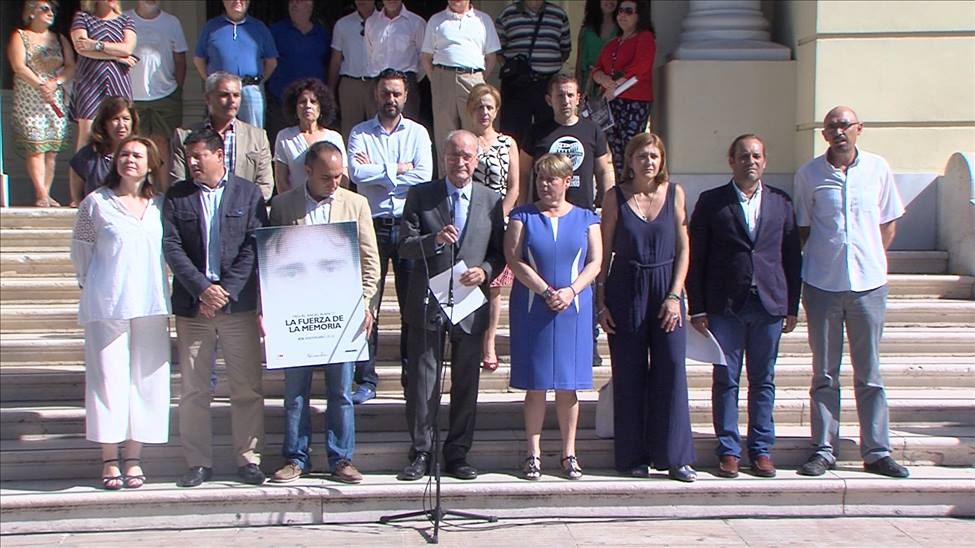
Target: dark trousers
651, 418
753, 333
423, 389
523, 107
387, 236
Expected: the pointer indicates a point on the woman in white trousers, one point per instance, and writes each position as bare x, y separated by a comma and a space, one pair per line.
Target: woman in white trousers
116, 250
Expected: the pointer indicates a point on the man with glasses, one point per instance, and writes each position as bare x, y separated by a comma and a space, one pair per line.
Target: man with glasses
444, 222
388, 155
846, 208
347, 70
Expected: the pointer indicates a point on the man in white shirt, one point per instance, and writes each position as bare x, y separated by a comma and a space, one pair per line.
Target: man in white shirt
458, 51
846, 209
394, 36
157, 79
388, 155
347, 70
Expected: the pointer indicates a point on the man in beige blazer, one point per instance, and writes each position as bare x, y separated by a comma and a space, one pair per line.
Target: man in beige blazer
247, 153
320, 201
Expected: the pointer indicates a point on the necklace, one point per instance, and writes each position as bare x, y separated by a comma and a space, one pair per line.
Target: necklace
638, 209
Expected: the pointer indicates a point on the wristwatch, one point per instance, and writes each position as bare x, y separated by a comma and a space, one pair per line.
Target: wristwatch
99, 45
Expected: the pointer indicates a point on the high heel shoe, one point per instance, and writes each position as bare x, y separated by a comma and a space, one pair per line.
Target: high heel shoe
134, 481
571, 468
532, 469
111, 483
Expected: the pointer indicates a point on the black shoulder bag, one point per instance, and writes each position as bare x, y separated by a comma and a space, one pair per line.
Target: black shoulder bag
517, 72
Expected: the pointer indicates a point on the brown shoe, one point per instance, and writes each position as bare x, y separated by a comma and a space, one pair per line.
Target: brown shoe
727, 467
346, 473
762, 467
288, 473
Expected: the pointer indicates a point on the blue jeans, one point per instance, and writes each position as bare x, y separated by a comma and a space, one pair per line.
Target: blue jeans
252, 105
387, 237
339, 415
754, 333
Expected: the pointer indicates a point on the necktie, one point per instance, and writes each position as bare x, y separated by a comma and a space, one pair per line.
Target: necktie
460, 210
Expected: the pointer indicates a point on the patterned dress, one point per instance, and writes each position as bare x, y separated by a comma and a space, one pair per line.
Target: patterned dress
38, 127
96, 79
492, 171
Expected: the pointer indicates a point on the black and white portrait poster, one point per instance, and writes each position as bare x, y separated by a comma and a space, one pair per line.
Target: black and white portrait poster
311, 294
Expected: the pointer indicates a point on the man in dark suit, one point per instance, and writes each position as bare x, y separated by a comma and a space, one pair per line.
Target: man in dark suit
744, 278
446, 221
208, 240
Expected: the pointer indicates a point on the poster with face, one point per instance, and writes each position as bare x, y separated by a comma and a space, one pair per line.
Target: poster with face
311, 294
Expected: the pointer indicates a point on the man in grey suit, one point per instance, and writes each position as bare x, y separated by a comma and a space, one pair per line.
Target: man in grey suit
444, 222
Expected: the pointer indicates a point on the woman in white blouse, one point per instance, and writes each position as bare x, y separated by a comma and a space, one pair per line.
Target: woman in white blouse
117, 254
309, 104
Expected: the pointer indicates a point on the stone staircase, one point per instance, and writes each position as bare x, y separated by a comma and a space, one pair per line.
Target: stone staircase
48, 470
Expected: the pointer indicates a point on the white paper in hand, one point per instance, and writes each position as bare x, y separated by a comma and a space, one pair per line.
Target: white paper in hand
704, 348
467, 299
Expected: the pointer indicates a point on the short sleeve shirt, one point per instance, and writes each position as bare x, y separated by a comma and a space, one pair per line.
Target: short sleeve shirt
348, 36
300, 55
154, 76
516, 26
237, 48
582, 143
844, 211
460, 40
92, 166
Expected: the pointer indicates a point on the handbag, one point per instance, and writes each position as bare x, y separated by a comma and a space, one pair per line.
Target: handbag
517, 72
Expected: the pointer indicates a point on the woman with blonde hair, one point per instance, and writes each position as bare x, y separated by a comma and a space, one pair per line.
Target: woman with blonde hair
42, 61
104, 39
116, 250
497, 169
554, 249
639, 303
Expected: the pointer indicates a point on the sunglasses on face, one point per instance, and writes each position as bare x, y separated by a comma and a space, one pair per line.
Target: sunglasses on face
627, 10
45, 9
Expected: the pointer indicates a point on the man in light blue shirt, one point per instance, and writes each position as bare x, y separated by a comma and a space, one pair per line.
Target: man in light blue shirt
388, 155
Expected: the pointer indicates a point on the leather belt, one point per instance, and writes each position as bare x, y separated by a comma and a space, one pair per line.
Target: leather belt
251, 80
360, 78
386, 222
466, 70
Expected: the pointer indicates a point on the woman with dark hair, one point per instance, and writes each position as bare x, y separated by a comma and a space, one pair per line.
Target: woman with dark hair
598, 27
116, 120
628, 56
639, 304
310, 105
42, 62
116, 250
104, 38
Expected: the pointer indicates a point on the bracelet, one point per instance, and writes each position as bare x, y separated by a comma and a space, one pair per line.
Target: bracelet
601, 311
600, 284
548, 292
673, 296
574, 292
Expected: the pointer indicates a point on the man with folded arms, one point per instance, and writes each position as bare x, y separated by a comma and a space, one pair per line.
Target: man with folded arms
322, 201
743, 285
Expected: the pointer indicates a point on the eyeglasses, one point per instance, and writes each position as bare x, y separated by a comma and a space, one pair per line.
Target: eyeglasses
841, 126
45, 8
628, 10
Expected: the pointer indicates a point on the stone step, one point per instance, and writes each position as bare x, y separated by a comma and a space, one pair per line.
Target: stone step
29, 238
21, 317
74, 458
45, 384
906, 286
58, 506
30, 217
499, 411
67, 347
917, 262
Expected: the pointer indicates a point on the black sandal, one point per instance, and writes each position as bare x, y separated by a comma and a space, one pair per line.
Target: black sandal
532, 468
137, 481
108, 481
571, 468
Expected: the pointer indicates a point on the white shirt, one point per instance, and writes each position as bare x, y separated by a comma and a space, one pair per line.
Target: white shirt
154, 76
210, 199
347, 38
290, 148
750, 207
317, 212
844, 212
457, 40
118, 259
394, 43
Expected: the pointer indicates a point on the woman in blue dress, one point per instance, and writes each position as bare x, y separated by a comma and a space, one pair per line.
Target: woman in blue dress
554, 250
640, 306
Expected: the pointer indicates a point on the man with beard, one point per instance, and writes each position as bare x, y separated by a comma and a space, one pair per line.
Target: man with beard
388, 154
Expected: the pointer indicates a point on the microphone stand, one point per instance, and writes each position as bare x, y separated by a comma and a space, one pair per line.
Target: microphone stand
438, 512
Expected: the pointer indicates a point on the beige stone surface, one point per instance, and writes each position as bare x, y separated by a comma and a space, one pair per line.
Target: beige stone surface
862, 16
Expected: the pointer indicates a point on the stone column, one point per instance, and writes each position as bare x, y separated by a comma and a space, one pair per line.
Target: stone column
728, 30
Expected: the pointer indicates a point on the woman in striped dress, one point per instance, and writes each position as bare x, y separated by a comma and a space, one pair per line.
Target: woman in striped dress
104, 39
